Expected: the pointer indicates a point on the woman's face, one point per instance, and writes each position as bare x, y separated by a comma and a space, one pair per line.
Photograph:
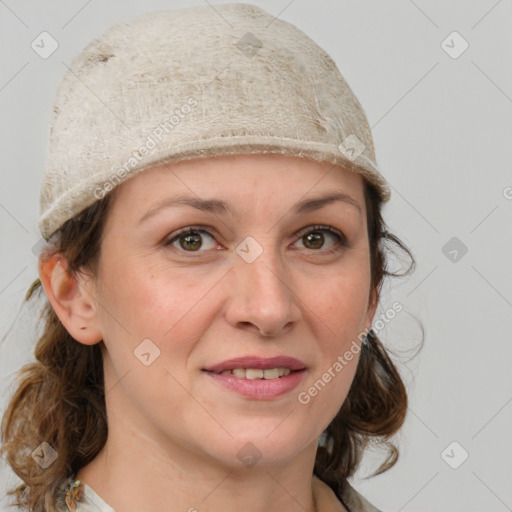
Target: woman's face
259, 276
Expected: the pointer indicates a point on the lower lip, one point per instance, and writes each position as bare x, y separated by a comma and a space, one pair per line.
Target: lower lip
259, 389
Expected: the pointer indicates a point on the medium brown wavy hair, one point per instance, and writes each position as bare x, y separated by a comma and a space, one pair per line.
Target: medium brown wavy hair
59, 398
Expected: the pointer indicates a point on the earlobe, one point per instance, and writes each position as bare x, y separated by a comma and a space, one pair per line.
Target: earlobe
75, 305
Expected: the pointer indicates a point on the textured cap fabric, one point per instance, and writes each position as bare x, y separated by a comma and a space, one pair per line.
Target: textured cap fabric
194, 83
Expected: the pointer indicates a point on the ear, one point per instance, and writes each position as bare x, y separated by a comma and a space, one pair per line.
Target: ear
71, 299
372, 308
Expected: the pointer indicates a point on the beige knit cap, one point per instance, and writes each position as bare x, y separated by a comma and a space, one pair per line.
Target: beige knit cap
196, 82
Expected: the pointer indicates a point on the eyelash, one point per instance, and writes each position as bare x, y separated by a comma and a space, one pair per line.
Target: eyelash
341, 242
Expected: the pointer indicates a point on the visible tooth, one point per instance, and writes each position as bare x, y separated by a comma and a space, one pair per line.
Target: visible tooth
271, 373
252, 374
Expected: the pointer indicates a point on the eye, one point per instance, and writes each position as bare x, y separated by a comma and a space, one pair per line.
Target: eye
315, 238
190, 239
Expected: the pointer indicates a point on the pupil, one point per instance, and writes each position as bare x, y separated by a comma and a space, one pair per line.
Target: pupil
190, 238
315, 236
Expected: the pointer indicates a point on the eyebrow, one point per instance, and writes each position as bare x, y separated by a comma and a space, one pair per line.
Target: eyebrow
220, 207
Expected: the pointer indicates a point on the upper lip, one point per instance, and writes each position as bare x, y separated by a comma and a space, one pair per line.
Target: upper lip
260, 363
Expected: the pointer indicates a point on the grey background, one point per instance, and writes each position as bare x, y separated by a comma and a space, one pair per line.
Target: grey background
442, 128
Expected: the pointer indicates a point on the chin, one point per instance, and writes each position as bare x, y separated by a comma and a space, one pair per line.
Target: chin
261, 448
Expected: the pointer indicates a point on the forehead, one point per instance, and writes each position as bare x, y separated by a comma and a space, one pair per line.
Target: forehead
243, 176
250, 189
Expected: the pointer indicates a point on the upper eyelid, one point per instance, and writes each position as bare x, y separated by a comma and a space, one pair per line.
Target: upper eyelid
318, 227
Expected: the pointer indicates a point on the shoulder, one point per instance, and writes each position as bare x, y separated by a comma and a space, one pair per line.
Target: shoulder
76, 496
354, 501
341, 496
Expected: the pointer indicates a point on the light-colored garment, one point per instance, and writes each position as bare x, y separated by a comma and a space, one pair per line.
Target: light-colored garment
79, 497
326, 500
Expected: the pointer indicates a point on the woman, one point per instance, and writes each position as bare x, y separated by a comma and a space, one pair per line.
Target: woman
212, 208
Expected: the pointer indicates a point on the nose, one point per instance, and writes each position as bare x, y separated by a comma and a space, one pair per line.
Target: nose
262, 296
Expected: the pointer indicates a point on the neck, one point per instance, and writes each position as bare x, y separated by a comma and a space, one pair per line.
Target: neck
132, 473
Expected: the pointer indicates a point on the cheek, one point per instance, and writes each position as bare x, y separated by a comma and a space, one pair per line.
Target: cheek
149, 296
339, 301
141, 304
337, 307
173, 309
